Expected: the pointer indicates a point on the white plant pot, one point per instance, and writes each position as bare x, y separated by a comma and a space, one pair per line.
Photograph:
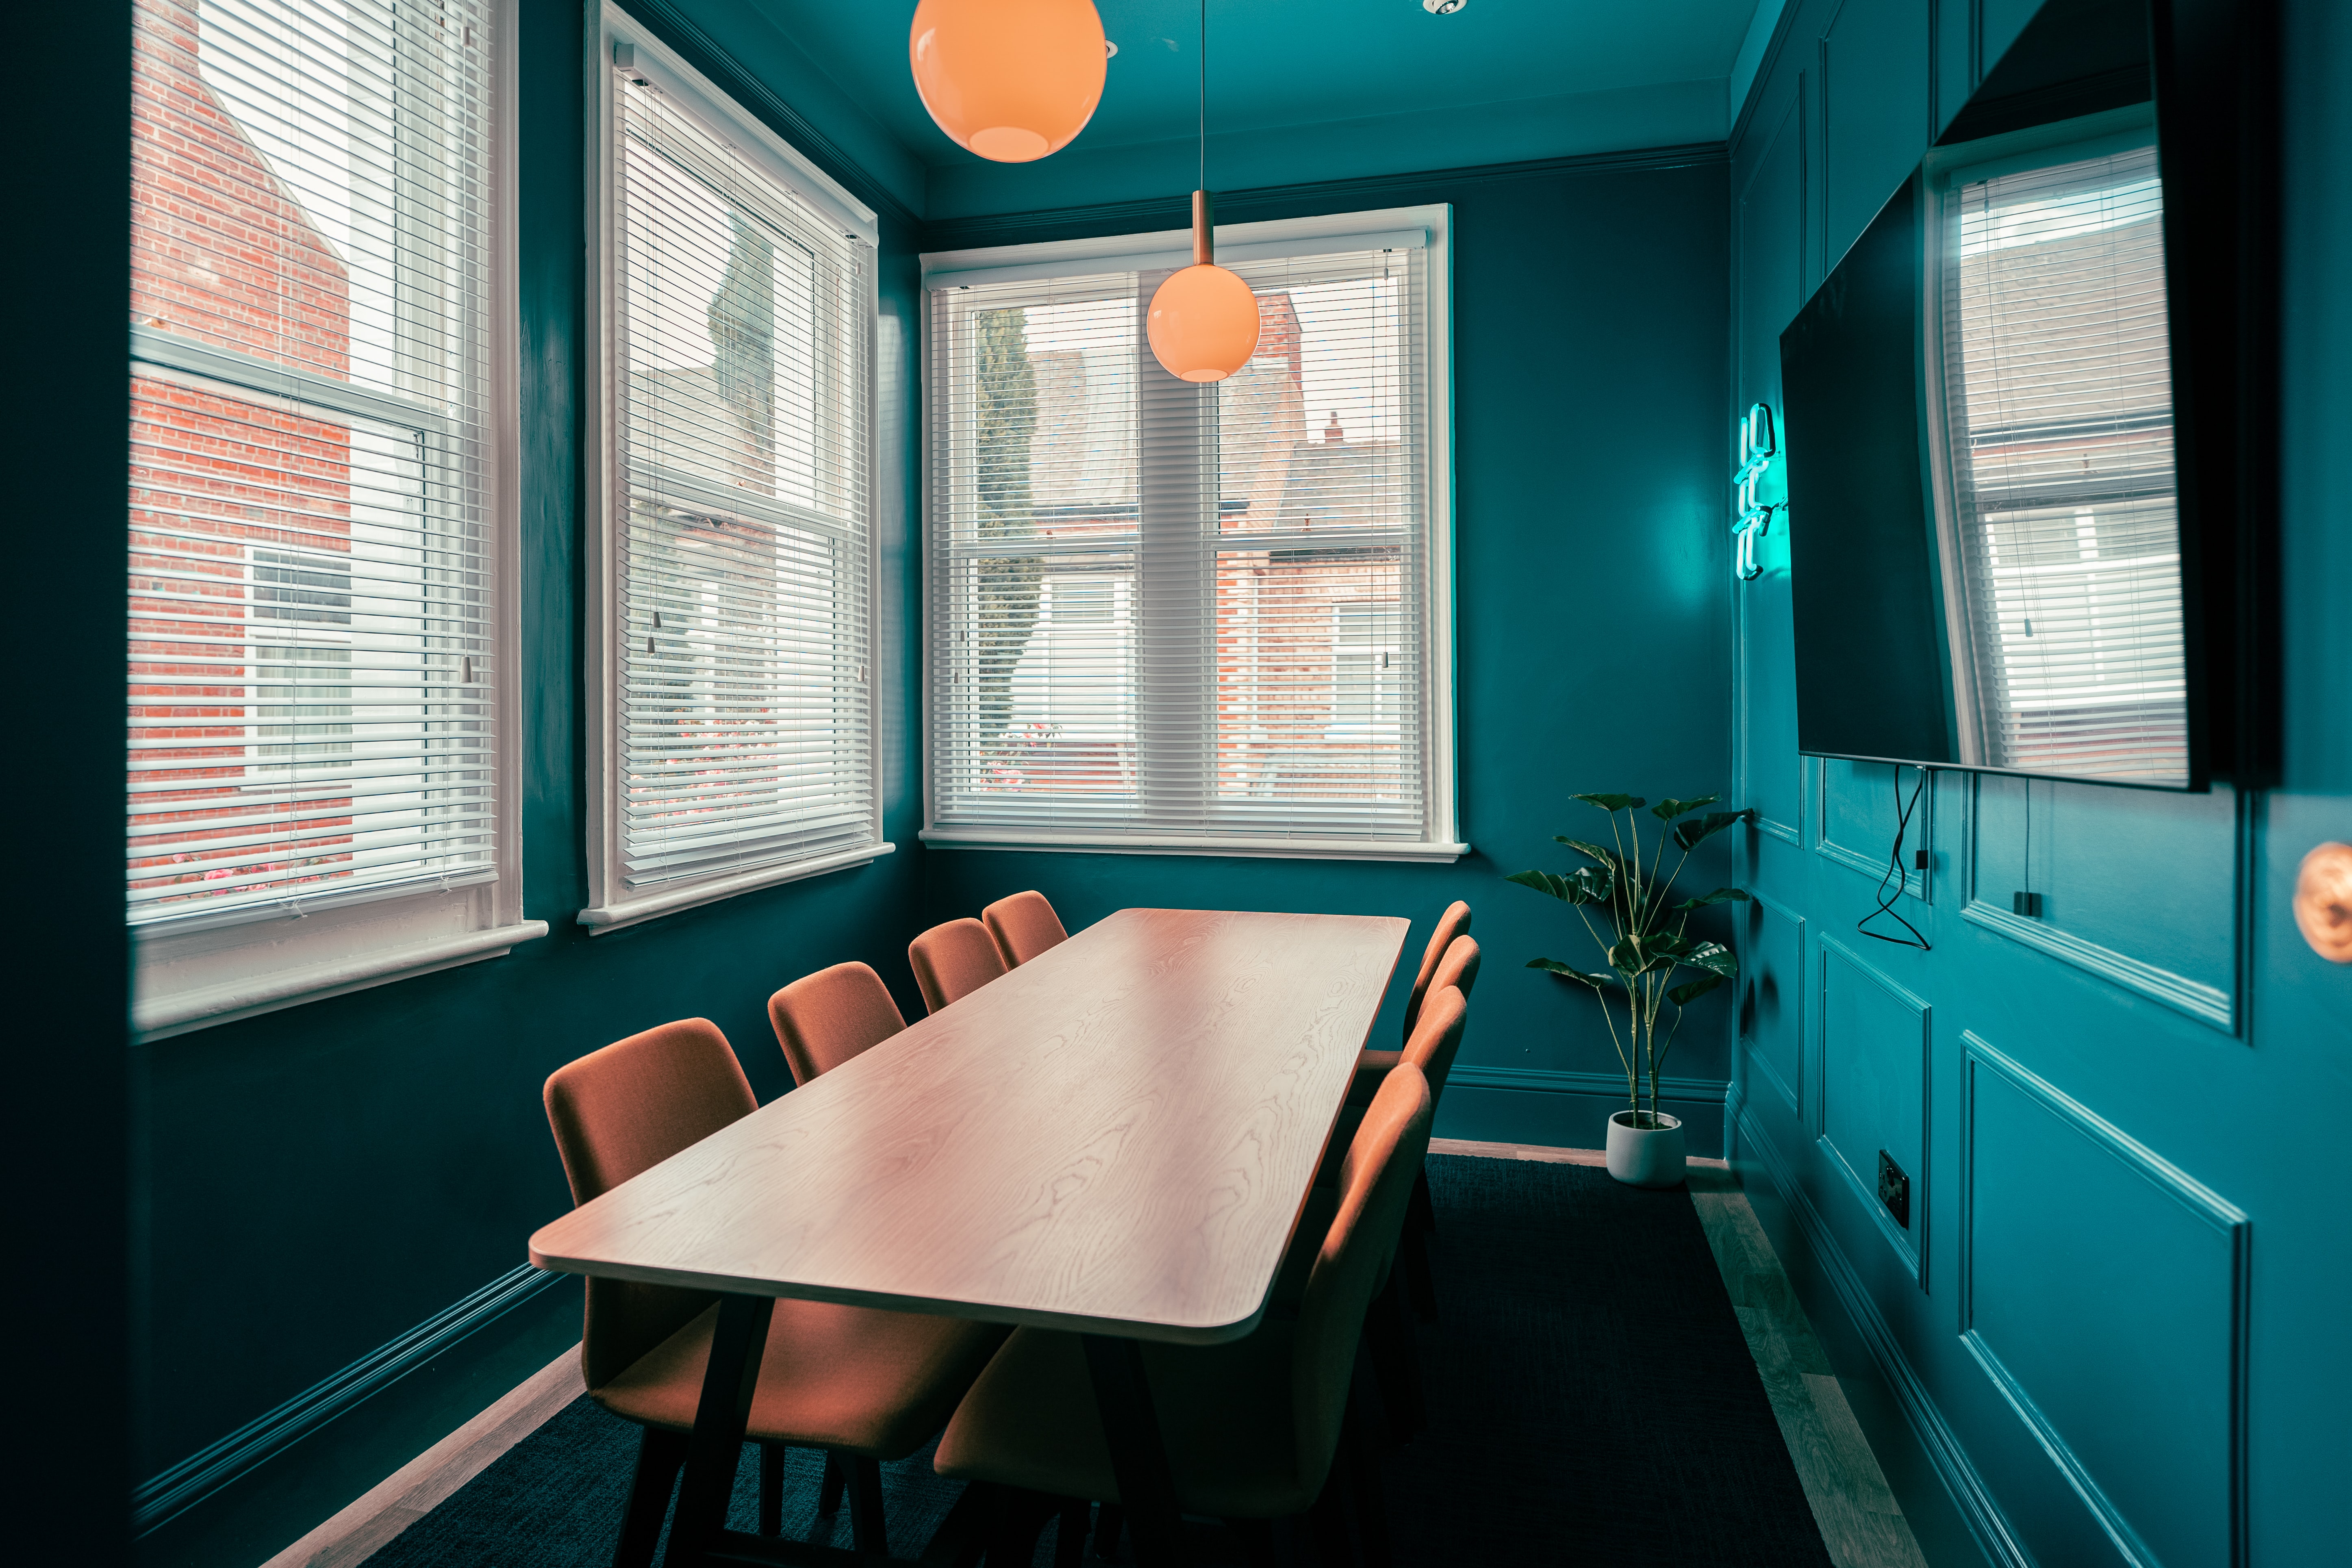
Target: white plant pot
1646, 1156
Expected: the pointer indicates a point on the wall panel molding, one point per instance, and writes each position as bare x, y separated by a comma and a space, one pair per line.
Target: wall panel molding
2169, 1292
1791, 1085
1908, 1245
1995, 1536
1869, 862
2206, 1004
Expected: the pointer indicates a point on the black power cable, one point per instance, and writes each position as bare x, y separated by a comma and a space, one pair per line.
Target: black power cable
1895, 874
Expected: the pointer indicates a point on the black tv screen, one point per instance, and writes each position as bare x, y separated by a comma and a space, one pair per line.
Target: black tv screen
1989, 563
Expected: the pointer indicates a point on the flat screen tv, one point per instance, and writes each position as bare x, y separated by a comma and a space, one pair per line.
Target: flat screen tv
2023, 508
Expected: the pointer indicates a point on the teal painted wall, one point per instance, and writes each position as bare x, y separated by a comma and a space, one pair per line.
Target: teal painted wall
1593, 629
313, 1183
2105, 1332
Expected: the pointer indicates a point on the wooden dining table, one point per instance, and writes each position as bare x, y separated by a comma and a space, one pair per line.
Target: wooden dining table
1115, 1139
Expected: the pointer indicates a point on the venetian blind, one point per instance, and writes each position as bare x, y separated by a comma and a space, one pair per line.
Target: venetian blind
742, 323
309, 663
1163, 612
2060, 415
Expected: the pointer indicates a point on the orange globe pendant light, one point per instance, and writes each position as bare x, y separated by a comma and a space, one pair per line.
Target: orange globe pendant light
1012, 80
1203, 320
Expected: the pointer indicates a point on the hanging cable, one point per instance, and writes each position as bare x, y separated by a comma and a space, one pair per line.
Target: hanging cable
1204, 100
1895, 877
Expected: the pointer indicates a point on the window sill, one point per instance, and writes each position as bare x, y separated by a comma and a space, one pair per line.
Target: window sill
601, 919
182, 1012
1158, 844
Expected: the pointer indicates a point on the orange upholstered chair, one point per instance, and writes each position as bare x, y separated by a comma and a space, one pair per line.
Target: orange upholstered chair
1457, 967
1453, 923
1254, 1429
824, 1019
861, 1384
952, 961
1024, 925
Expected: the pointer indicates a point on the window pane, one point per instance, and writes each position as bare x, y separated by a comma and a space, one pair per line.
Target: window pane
309, 647
743, 713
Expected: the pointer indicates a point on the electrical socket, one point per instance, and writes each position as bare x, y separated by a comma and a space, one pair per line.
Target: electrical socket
1895, 1190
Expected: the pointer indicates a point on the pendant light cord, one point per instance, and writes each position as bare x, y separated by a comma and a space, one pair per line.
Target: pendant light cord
1205, 95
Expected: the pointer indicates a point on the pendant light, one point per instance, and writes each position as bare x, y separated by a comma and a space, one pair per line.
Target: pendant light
1203, 320
1012, 80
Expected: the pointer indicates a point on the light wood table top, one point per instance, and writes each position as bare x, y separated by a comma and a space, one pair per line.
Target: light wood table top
1116, 1138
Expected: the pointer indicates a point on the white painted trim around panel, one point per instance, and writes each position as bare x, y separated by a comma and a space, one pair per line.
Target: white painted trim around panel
156, 1018
601, 918
194, 973
666, 68
1428, 226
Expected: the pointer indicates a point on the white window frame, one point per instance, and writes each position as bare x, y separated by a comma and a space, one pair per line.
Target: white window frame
198, 971
611, 906
1426, 227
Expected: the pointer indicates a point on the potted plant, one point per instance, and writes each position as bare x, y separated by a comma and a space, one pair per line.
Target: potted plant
1644, 943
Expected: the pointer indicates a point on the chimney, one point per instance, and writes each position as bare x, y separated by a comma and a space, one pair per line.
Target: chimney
1331, 432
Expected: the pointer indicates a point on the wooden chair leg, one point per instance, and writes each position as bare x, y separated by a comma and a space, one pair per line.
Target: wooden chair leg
772, 1488
828, 1492
1388, 1339
1412, 1256
659, 1454
1108, 1521
1070, 1533
866, 1533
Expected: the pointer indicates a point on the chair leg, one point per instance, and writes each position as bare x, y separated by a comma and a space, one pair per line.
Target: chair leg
1364, 1479
1070, 1533
1256, 1538
659, 1454
1412, 1253
828, 1492
772, 1488
1388, 1337
1422, 1213
1108, 1521
866, 1533
1019, 1519
1329, 1517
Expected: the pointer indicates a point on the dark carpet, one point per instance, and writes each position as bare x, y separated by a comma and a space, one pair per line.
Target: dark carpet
1591, 1400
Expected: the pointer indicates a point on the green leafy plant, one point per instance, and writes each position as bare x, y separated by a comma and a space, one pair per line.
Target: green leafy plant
1644, 942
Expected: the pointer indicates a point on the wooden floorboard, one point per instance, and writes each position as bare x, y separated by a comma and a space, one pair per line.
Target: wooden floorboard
411, 1492
1861, 1522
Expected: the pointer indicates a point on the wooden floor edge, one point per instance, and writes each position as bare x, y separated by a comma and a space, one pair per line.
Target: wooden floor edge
392, 1504
1478, 1151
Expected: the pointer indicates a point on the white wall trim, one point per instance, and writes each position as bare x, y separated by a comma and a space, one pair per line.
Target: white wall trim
601, 919
180, 1012
1300, 849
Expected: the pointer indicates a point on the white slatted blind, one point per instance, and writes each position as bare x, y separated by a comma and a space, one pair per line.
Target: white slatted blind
309, 675
743, 325
2060, 414
1163, 611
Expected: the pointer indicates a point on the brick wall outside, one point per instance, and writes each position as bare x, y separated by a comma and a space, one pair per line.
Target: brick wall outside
222, 253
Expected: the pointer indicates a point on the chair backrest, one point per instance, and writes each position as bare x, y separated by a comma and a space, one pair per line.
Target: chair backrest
1437, 1036
1024, 925
824, 1019
952, 961
1453, 923
1375, 1180
625, 1110
1458, 968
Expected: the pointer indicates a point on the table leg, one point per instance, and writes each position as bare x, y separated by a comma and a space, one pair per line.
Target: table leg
1139, 1457
716, 1445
